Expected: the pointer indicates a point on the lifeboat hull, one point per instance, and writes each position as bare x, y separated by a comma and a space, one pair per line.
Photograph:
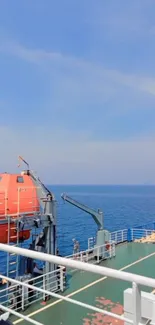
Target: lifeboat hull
18, 195
13, 236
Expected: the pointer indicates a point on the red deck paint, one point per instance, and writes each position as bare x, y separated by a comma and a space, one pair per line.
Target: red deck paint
43, 303
99, 318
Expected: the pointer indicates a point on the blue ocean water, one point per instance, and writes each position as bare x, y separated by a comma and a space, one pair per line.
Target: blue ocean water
123, 207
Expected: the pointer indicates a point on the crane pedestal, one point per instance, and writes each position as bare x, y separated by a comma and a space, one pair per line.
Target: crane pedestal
102, 238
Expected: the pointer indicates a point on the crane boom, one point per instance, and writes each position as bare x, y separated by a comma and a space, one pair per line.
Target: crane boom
97, 215
43, 192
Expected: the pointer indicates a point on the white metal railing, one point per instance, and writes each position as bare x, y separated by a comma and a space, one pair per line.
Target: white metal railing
119, 236
19, 297
95, 254
91, 242
136, 280
17, 314
141, 233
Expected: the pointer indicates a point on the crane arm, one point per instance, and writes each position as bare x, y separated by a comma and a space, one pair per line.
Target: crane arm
44, 194
45, 191
97, 216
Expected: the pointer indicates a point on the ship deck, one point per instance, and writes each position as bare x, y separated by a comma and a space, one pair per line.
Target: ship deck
102, 292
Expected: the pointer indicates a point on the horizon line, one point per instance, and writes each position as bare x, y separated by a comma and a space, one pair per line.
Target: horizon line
100, 184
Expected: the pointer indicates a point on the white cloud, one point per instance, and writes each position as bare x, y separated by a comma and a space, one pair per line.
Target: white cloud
64, 157
122, 20
74, 71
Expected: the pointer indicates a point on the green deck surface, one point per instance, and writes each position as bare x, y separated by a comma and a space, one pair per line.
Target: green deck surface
82, 287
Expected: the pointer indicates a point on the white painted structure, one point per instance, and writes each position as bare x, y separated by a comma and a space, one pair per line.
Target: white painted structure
139, 308
121, 236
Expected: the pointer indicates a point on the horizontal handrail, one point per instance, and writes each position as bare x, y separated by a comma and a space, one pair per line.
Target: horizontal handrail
139, 229
106, 272
41, 276
73, 301
24, 317
125, 229
121, 235
129, 277
111, 242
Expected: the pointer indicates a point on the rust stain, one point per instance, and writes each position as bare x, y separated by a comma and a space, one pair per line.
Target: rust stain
104, 301
87, 321
99, 318
118, 309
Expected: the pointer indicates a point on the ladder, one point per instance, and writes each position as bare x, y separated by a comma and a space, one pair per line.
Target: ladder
13, 237
12, 258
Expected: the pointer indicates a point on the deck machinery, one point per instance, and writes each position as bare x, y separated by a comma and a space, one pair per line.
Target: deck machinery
102, 236
26, 204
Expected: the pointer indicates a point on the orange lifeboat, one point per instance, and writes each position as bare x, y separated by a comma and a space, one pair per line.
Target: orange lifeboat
18, 195
23, 234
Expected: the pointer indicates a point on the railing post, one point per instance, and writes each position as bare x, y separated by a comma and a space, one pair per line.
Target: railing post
136, 304
23, 297
132, 234
110, 250
62, 279
153, 313
88, 243
98, 255
116, 237
44, 286
122, 236
114, 253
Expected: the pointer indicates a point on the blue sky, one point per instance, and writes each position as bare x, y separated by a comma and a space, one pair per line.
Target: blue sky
77, 89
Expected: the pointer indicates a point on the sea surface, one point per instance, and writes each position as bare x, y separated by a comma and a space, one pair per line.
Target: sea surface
122, 206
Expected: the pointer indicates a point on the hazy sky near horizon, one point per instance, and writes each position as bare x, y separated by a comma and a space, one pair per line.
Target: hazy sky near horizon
77, 89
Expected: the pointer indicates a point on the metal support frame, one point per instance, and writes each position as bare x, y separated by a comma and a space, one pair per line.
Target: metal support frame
46, 217
125, 276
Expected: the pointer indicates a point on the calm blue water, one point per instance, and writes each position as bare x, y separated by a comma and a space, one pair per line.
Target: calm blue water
123, 207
